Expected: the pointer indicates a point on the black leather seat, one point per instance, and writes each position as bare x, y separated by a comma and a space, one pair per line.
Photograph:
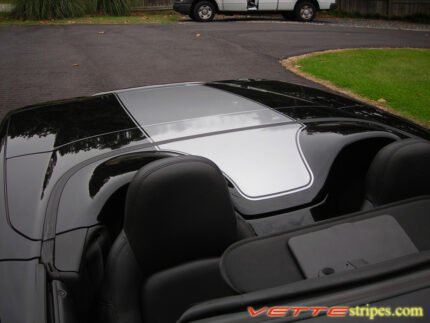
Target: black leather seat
178, 221
399, 171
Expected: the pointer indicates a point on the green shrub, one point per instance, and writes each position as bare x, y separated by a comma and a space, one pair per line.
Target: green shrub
48, 9
115, 7
108, 7
91, 6
58, 9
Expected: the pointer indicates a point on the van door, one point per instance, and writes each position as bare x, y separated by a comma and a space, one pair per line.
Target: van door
286, 5
267, 5
235, 5
250, 5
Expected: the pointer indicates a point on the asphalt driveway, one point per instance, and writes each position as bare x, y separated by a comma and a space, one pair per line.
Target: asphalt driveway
40, 63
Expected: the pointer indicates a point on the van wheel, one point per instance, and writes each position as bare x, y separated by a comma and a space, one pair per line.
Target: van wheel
204, 11
305, 11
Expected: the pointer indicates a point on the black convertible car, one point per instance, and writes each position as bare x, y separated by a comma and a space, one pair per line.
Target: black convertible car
211, 202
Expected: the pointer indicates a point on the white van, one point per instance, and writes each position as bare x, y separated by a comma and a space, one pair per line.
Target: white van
205, 10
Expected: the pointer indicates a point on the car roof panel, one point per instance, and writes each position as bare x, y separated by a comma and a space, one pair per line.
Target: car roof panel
159, 105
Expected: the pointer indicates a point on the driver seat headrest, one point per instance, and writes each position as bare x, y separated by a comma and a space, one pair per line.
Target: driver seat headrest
178, 210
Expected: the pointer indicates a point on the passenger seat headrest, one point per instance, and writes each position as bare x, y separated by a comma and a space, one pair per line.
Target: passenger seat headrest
399, 171
178, 210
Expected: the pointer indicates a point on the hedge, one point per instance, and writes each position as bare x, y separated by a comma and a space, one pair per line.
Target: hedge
58, 9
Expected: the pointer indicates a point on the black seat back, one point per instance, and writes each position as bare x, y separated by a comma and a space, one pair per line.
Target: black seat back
178, 221
399, 171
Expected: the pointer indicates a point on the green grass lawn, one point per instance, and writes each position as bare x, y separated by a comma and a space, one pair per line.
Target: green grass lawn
141, 18
401, 77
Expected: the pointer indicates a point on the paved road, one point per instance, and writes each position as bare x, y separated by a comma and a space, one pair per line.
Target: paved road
40, 63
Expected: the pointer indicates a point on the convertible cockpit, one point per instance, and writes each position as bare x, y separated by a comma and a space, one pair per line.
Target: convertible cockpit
182, 245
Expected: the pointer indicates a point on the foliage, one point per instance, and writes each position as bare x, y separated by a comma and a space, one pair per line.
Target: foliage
151, 17
60, 9
114, 7
48, 9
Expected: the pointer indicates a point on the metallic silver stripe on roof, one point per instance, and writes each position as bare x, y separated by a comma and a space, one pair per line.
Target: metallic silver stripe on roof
151, 106
210, 124
261, 162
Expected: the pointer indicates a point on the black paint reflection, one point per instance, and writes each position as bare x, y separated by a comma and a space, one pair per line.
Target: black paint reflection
44, 127
111, 141
380, 116
340, 128
299, 95
312, 112
270, 99
119, 166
